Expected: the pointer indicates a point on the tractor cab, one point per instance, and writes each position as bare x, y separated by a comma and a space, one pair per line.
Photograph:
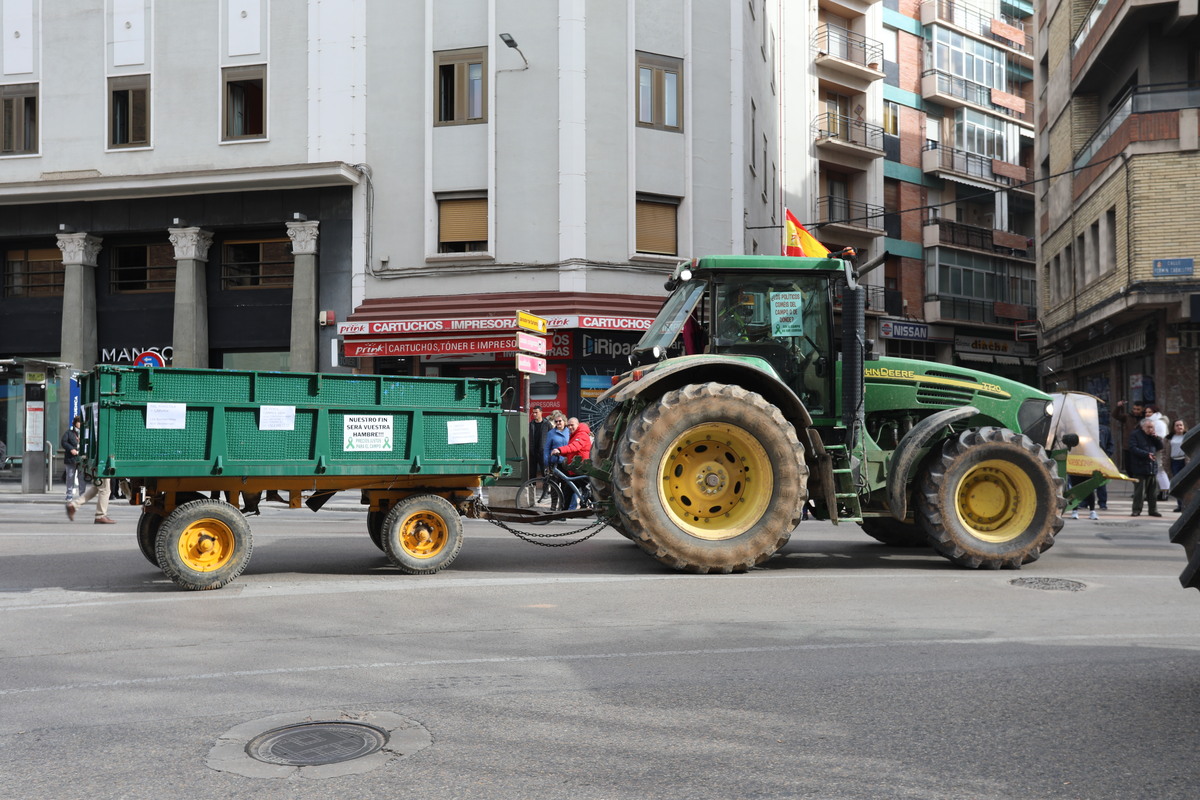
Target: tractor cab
772, 309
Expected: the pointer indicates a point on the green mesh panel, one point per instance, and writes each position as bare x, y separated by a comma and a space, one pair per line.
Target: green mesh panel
133, 441
437, 448
247, 443
210, 386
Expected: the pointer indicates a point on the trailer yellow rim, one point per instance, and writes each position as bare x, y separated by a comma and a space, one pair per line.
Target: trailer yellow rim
716, 481
996, 501
206, 545
424, 534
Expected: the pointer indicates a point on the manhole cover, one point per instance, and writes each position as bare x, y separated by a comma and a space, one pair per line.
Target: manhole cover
314, 743
1049, 584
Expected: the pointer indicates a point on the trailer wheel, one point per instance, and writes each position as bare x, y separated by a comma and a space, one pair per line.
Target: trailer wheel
893, 532
711, 478
422, 534
149, 523
375, 527
993, 499
204, 544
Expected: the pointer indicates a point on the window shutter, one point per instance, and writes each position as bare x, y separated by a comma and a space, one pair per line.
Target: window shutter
463, 220
138, 117
656, 228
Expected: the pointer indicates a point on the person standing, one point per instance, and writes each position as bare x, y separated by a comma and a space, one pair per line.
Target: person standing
1179, 458
537, 437
1160, 430
70, 446
1106, 444
1143, 465
1128, 416
580, 444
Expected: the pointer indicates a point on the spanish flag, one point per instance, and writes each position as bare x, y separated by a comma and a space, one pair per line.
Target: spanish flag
800, 242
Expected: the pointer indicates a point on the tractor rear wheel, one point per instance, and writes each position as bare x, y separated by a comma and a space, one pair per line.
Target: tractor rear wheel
893, 532
992, 499
1185, 487
603, 449
204, 544
711, 478
422, 534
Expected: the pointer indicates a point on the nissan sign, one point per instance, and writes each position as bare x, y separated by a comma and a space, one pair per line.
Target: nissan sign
896, 329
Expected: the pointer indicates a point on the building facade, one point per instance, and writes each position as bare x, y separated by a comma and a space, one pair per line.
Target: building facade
1118, 161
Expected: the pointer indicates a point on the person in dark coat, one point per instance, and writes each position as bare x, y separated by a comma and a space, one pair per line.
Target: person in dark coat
1144, 447
537, 437
70, 446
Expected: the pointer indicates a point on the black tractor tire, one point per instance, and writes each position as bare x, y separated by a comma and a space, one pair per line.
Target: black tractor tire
893, 532
149, 523
204, 544
375, 527
992, 499
422, 534
711, 478
602, 449
1185, 487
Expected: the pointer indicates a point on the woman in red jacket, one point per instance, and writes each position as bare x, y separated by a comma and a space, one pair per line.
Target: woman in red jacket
580, 444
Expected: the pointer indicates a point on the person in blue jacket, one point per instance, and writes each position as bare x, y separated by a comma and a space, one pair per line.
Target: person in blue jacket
556, 436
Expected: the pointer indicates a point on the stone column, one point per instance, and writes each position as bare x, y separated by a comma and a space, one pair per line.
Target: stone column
79, 341
304, 296
189, 334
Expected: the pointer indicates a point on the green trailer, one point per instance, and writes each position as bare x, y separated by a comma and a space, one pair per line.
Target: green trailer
199, 449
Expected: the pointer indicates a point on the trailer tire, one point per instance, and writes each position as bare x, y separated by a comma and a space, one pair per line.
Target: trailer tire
375, 527
149, 523
711, 478
422, 534
204, 544
992, 499
891, 531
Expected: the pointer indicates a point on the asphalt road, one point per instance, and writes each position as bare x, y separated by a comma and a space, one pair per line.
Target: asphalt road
844, 669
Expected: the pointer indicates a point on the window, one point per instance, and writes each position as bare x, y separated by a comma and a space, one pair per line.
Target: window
657, 225
18, 109
1109, 261
461, 91
129, 111
463, 225
970, 59
142, 268
753, 137
33, 273
891, 117
660, 92
257, 264
245, 102
982, 134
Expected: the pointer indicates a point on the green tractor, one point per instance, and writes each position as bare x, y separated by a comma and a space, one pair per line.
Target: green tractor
738, 411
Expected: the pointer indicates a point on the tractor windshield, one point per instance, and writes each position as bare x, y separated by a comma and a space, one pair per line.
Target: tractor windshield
672, 316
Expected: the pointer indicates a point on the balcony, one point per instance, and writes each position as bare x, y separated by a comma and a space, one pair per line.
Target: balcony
858, 143
848, 53
939, 232
1144, 99
1000, 29
951, 163
839, 216
980, 312
955, 92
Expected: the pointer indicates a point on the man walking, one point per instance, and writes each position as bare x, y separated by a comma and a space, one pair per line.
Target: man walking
1143, 465
70, 446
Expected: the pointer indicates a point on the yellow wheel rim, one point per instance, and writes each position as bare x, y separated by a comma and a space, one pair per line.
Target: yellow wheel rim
424, 534
716, 481
206, 545
996, 501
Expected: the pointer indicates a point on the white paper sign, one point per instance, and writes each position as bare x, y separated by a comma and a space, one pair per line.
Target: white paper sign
786, 316
462, 431
367, 433
277, 418
166, 416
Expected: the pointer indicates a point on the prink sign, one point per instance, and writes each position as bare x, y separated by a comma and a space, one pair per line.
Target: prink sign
137, 356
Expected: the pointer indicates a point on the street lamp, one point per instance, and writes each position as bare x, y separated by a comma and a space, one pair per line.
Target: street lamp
511, 42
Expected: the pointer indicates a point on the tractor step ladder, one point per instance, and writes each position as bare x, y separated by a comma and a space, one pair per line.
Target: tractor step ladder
843, 481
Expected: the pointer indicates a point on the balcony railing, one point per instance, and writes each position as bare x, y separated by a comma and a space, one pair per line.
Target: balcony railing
973, 165
960, 234
833, 210
848, 129
972, 92
848, 46
970, 19
1142, 99
884, 301
963, 309
1088, 24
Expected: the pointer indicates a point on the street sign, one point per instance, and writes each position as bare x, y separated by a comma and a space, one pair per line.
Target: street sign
532, 323
532, 364
531, 344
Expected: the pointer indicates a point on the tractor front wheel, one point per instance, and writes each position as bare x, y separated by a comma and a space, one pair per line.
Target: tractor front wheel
711, 478
992, 499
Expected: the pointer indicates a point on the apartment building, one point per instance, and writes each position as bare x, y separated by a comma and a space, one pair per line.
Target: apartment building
1118, 201
224, 184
